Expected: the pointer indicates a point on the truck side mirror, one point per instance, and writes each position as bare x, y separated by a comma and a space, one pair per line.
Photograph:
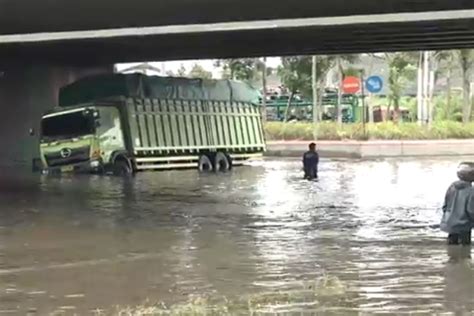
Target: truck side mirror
31, 131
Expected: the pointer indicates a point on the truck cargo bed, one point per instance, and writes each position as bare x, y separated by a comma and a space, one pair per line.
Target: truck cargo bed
174, 133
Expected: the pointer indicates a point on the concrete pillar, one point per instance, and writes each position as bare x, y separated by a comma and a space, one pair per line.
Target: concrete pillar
26, 92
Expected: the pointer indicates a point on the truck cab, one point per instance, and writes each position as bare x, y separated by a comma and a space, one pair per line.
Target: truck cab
80, 139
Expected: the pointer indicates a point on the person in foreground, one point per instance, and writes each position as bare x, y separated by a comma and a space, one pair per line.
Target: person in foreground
458, 207
310, 163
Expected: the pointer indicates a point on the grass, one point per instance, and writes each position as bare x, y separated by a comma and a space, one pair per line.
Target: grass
316, 296
378, 131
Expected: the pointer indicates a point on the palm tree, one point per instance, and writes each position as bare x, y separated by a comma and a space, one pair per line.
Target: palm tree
238, 69
465, 58
323, 65
401, 70
445, 62
295, 74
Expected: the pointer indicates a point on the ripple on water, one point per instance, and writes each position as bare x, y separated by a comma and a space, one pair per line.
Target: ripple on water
364, 239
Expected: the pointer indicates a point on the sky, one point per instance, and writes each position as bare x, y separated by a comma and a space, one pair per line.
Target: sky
207, 64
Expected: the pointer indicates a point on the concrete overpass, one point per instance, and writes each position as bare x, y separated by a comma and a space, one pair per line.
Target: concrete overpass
45, 44
91, 31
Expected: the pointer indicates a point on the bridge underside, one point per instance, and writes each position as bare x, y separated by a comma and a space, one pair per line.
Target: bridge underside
428, 35
31, 16
350, 38
107, 31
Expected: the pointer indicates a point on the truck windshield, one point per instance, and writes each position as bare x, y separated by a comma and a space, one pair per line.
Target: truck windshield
68, 125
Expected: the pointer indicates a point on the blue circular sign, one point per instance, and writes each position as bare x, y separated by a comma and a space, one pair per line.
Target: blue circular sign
374, 84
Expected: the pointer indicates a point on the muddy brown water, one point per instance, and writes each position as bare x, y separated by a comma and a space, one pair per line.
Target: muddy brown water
77, 244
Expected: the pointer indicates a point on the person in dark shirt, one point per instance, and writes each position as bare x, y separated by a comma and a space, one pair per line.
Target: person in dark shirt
458, 207
310, 163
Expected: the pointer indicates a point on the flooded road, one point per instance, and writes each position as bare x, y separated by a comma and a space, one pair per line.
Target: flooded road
364, 239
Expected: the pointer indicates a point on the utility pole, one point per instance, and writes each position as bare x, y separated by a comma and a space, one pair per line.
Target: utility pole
264, 90
364, 111
426, 80
430, 96
339, 91
315, 96
420, 90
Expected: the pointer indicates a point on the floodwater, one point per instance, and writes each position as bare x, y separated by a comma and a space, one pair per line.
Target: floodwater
362, 240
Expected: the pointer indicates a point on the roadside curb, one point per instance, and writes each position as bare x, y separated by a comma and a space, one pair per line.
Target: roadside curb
374, 149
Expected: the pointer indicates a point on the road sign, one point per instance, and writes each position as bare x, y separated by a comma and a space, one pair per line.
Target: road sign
351, 85
374, 84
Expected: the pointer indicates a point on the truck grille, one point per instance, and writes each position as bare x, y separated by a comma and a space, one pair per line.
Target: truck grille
77, 155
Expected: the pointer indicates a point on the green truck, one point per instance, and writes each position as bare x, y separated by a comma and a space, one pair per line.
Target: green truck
123, 124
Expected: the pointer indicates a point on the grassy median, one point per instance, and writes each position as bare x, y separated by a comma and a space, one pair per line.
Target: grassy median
379, 131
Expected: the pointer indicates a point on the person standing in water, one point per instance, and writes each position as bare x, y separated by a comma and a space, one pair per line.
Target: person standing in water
310, 163
458, 207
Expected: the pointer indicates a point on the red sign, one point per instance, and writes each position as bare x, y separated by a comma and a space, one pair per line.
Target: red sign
351, 85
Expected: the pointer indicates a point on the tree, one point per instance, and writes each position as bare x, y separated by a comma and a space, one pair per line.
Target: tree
295, 74
401, 71
323, 65
465, 58
244, 69
199, 72
445, 62
181, 71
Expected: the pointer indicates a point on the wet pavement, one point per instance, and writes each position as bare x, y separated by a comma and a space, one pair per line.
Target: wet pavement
82, 244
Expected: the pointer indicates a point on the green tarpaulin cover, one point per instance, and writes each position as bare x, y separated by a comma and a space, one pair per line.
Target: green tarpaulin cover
154, 87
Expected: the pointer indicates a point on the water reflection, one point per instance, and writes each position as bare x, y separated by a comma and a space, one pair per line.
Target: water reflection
80, 243
459, 279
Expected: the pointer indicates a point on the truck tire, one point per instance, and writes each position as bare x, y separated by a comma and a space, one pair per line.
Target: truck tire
122, 167
229, 158
205, 164
36, 165
222, 162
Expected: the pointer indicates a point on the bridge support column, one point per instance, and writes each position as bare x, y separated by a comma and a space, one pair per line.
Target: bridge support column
26, 92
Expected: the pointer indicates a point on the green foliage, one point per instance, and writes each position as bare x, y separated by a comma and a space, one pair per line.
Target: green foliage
244, 69
441, 110
295, 73
382, 131
199, 72
402, 69
181, 71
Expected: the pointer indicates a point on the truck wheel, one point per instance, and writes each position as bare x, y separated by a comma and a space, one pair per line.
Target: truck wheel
37, 165
229, 159
222, 162
122, 167
205, 164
